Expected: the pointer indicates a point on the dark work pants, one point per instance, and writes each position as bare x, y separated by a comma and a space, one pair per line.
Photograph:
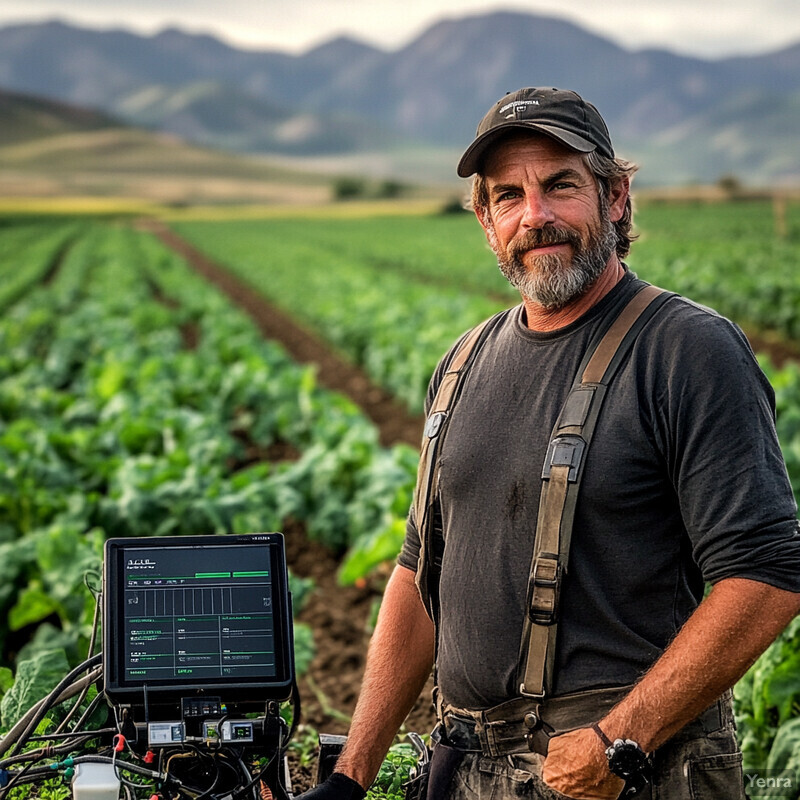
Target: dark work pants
706, 767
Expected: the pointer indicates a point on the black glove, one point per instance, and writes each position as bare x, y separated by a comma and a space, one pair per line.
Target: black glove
337, 787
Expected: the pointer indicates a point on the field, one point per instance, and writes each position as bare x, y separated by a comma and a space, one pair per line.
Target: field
139, 396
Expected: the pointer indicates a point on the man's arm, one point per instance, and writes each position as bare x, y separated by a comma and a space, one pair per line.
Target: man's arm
399, 662
738, 620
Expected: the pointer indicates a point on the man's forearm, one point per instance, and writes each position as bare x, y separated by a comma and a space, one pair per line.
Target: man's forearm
399, 662
723, 637
727, 632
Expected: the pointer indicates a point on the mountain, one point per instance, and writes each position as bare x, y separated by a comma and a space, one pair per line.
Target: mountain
690, 117
193, 86
224, 117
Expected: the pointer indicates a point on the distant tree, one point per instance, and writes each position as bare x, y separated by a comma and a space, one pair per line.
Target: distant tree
346, 188
389, 188
730, 185
455, 205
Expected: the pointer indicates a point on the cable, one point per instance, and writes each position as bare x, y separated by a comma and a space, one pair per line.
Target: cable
173, 757
296, 714
65, 747
50, 737
214, 783
47, 772
92, 639
255, 780
22, 723
90, 709
44, 705
127, 765
17, 778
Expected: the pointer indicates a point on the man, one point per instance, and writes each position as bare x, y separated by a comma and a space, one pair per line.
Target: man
683, 485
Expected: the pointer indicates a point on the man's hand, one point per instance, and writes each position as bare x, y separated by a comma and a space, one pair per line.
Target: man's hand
337, 787
576, 765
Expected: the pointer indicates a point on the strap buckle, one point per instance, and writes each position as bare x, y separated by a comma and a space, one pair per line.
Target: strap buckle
565, 451
545, 583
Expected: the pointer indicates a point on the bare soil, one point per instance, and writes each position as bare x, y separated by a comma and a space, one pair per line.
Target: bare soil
392, 418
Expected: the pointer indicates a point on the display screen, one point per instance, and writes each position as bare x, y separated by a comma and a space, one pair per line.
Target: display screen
197, 612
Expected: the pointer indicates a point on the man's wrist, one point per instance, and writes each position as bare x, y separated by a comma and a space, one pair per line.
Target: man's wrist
626, 759
625, 721
355, 769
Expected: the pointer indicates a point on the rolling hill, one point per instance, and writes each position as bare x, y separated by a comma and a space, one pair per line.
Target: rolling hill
49, 148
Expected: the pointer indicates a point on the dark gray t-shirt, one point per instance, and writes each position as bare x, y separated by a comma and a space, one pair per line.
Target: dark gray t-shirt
684, 483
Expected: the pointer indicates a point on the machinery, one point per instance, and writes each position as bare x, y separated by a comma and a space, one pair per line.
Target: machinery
197, 660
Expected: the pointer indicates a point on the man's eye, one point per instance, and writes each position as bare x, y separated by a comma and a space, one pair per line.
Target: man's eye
561, 185
510, 195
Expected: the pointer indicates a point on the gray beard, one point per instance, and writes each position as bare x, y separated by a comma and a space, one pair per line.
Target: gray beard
554, 282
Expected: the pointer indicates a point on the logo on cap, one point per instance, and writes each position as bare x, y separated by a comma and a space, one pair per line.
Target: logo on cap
518, 108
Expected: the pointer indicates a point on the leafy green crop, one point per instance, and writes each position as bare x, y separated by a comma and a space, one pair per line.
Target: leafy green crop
768, 706
393, 773
726, 256
134, 400
379, 314
132, 397
26, 254
35, 678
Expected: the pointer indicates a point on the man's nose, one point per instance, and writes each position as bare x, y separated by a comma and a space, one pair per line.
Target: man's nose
537, 212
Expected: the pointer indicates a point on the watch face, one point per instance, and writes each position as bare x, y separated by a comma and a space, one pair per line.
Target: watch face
626, 759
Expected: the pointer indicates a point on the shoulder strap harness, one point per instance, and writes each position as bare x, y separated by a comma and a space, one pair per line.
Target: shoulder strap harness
561, 478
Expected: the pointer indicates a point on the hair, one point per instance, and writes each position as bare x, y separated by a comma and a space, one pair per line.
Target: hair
606, 171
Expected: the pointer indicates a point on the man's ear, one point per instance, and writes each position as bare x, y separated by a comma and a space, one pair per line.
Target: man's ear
617, 198
485, 220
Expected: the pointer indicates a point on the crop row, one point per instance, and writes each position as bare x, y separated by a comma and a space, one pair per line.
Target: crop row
379, 317
383, 292
135, 401
729, 257
395, 326
41, 243
393, 293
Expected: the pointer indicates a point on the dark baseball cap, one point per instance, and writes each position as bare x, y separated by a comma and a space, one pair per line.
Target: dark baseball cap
562, 115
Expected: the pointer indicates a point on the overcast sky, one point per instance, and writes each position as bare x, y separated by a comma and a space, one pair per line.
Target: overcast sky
709, 28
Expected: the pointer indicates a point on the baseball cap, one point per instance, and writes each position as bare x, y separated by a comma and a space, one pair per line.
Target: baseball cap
562, 115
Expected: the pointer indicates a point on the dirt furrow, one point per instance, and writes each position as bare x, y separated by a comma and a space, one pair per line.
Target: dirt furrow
339, 616
390, 416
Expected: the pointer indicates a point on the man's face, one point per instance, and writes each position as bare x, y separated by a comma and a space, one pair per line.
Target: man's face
551, 231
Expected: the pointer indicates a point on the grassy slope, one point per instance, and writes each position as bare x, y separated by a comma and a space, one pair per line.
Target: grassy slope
51, 149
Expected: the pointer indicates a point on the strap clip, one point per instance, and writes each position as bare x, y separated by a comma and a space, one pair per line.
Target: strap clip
565, 451
434, 424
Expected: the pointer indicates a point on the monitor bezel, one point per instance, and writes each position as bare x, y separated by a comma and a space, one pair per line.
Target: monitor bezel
243, 693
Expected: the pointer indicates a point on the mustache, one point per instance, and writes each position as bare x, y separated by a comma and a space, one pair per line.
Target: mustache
543, 236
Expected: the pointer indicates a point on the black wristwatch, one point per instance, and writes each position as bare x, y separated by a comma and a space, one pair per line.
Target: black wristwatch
626, 760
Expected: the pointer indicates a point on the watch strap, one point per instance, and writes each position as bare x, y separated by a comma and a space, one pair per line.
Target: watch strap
599, 731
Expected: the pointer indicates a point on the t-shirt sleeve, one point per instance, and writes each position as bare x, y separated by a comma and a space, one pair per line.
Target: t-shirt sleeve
716, 414
409, 554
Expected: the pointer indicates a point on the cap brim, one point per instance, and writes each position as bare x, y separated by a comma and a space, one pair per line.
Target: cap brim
473, 155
